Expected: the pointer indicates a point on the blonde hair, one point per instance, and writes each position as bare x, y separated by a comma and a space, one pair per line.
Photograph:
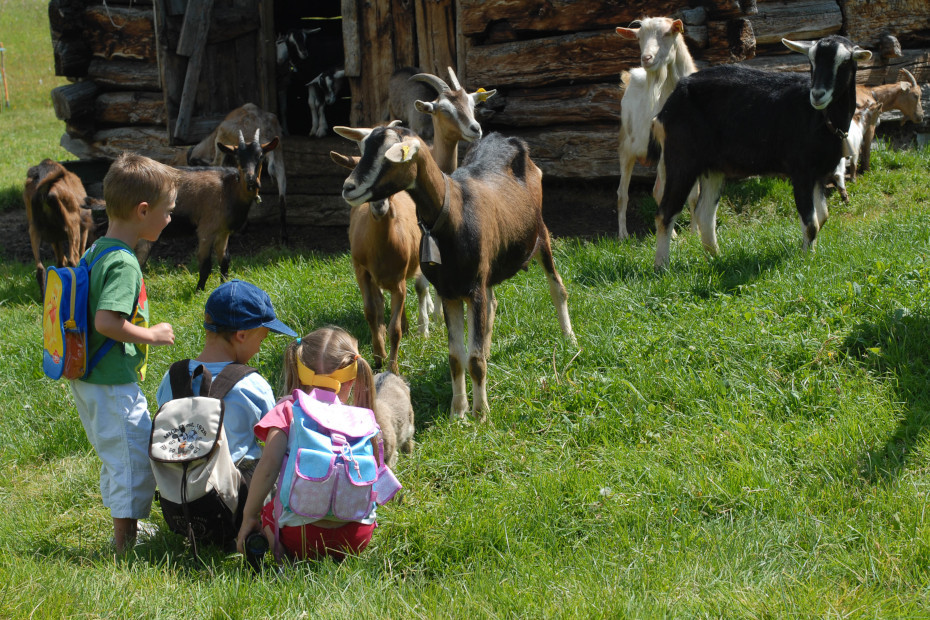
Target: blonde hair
133, 179
324, 351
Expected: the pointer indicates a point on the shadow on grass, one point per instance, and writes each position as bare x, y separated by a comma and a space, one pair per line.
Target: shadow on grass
897, 346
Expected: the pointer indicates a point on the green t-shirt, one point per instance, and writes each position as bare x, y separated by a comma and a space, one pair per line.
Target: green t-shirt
115, 284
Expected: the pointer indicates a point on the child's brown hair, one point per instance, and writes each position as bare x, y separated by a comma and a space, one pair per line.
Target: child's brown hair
133, 179
324, 351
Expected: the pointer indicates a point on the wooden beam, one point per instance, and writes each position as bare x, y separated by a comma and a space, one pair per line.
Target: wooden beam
120, 32
541, 107
74, 100
125, 74
130, 108
193, 43
800, 19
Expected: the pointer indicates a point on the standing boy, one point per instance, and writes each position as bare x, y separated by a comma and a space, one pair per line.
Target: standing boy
237, 318
139, 195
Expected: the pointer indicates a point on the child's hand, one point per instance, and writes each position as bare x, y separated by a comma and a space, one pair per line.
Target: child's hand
249, 525
162, 334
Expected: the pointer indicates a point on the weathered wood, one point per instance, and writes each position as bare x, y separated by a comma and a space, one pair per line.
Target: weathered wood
192, 43
588, 151
435, 35
799, 19
125, 74
868, 20
584, 57
195, 27
325, 210
890, 47
120, 32
730, 41
72, 56
556, 15
403, 14
350, 38
64, 17
130, 108
541, 107
871, 72
149, 141
370, 91
74, 100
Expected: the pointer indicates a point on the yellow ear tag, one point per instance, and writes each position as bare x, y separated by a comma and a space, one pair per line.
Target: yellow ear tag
406, 150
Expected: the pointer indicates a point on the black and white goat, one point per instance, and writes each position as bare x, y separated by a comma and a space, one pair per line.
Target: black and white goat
323, 90
290, 49
731, 121
484, 224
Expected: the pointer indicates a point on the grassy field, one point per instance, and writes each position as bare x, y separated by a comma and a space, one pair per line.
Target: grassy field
741, 436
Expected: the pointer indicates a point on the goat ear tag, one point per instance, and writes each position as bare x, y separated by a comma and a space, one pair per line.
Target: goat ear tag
429, 251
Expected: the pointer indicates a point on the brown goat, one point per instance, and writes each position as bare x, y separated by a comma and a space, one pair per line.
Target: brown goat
903, 96
247, 119
58, 211
217, 201
484, 223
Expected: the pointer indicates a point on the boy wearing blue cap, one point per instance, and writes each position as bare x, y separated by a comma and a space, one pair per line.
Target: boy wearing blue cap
237, 318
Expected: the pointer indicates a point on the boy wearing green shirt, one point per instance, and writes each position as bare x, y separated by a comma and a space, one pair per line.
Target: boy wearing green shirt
139, 195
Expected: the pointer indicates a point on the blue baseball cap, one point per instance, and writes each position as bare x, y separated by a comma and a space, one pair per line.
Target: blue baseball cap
236, 305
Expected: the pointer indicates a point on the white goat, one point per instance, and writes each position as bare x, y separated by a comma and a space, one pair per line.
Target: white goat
863, 121
665, 60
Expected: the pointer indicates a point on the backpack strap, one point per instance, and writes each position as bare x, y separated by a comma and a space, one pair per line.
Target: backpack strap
231, 374
182, 380
109, 342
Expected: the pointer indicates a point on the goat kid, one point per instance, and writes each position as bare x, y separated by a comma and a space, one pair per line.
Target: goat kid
863, 121
58, 211
484, 223
290, 48
394, 414
216, 201
321, 92
384, 241
247, 119
903, 95
665, 61
731, 121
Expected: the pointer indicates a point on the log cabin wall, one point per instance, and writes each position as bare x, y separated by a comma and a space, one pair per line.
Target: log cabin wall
555, 63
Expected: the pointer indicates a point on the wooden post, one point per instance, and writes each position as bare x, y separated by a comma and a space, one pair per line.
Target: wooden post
192, 43
6, 91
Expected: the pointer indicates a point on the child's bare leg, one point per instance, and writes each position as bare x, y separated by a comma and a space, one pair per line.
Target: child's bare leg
124, 533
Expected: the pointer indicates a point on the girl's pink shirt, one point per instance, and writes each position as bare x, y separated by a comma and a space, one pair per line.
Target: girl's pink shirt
280, 418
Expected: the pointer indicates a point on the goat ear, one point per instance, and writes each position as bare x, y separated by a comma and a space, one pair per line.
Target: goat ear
352, 133
482, 95
861, 55
424, 106
801, 47
402, 152
229, 150
677, 26
270, 146
627, 33
346, 161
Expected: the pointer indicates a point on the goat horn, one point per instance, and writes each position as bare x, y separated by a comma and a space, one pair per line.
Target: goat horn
241, 140
432, 80
255, 139
455, 80
911, 78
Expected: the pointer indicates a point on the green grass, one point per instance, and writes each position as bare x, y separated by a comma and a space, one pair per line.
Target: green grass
30, 132
740, 436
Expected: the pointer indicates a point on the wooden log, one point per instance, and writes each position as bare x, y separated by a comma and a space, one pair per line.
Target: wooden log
871, 72
120, 32
74, 100
72, 57
868, 20
799, 19
64, 17
130, 108
109, 143
541, 107
583, 57
586, 152
556, 15
327, 210
125, 74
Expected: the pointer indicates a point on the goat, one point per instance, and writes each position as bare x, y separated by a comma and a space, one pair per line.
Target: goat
665, 61
384, 241
482, 224
394, 414
290, 49
217, 201
864, 120
453, 115
402, 97
58, 211
733, 121
247, 118
903, 96
321, 92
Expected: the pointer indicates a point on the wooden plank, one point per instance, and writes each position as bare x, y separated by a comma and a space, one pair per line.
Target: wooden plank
120, 32
868, 20
125, 74
552, 60
130, 108
586, 152
370, 91
351, 41
403, 14
797, 20
193, 42
195, 27
540, 107
74, 100
435, 35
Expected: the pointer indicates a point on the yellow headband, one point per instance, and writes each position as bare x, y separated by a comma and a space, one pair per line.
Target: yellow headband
332, 381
